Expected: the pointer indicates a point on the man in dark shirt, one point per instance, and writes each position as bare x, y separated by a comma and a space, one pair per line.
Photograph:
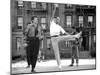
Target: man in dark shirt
75, 48
33, 37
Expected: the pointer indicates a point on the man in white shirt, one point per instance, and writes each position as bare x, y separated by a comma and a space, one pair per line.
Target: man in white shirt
55, 32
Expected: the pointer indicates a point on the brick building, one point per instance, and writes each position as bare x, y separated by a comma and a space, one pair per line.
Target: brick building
83, 16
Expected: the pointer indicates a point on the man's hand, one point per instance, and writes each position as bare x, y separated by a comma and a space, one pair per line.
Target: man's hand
41, 37
56, 5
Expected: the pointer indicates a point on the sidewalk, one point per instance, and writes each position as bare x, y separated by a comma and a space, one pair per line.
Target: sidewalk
51, 65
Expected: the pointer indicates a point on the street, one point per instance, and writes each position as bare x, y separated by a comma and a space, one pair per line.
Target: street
51, 66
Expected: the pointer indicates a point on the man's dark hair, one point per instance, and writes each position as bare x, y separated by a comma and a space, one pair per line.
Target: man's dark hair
28, 23
55, 16
33, 17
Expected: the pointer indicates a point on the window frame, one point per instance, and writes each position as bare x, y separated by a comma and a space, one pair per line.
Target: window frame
66, 21
89, 21
43, 5
19, 26
35, 3
68, 6
82, 21
20, 3
44, 23
90, 16
19, 11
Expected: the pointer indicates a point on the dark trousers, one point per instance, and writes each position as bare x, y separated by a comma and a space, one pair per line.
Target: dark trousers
33, 50
28, 56
75, 54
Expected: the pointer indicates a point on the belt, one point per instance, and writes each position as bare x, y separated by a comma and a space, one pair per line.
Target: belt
31, 37
55, 36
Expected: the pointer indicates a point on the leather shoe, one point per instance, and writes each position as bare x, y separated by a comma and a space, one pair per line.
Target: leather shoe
60, 68
71, 65
33, 71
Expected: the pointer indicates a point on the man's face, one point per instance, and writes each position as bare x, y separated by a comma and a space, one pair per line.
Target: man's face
35, 20
56, 20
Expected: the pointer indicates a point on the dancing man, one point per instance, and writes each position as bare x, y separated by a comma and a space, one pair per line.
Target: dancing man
57, 34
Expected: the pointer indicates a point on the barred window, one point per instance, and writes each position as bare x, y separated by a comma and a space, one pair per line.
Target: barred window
68, 6
20, 22
43, 22
33, 4
80, 21
20, 3
68, 21
44, 5
19, 11
90, 18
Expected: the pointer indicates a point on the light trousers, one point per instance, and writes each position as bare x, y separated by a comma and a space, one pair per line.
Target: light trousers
55, 41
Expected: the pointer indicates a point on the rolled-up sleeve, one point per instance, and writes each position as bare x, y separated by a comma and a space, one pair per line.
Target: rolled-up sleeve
62, 30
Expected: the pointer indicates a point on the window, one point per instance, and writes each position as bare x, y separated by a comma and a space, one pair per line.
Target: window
80, 21
44, 5
68, 21
20, 3
33, 4
90, 18
68, 6
40, 5
19, 7
43, 23
43, 20
20, 22
19, 11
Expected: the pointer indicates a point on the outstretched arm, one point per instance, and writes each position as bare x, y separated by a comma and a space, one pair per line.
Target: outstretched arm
63, 31
55, 6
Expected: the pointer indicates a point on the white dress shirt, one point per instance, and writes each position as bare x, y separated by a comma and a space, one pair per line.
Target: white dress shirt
55, 29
